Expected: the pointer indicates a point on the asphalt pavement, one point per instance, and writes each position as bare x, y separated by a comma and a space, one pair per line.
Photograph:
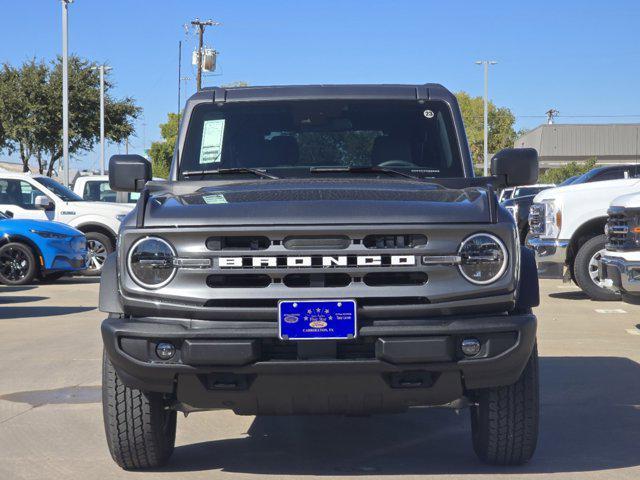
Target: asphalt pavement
51, 416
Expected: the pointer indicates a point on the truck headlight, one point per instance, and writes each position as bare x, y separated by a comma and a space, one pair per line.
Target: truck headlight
545, 219
151, 262
483, 258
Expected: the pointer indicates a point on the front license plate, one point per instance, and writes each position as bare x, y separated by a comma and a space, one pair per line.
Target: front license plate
317, 319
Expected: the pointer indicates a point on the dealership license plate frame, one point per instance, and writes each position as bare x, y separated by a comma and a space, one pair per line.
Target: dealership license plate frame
339, 316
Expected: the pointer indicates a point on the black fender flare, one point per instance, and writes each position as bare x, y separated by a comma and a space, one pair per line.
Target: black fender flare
109, 299
528, 294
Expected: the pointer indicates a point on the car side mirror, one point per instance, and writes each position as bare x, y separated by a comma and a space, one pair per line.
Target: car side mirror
42, 201
515, 166
128, 173
9, 213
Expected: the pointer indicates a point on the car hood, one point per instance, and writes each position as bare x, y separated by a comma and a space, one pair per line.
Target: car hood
630, 200
586, 188
102, 208
23, 226
316, 201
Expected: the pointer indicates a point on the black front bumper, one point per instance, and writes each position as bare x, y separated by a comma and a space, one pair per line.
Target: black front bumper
391, 366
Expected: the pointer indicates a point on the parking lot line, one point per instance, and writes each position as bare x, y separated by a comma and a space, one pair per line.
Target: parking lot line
610, 310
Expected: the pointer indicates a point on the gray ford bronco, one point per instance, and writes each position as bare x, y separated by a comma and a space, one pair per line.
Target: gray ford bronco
320, 250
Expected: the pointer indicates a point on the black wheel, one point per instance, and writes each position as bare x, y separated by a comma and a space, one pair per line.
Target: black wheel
98, 247
585, 269
504, 422
140, 429
17, 264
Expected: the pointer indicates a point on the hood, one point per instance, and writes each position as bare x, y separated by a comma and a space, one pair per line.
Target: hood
587, 188
316, 201
630, 200
103, 208
23, 226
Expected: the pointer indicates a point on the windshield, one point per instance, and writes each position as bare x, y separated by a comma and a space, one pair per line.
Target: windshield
524, 191
60, 190
291, 139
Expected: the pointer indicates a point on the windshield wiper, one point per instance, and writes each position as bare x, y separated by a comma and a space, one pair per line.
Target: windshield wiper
222, 171
372, 169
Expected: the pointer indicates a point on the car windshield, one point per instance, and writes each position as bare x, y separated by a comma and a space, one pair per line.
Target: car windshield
60, 190
525, 191
296, 138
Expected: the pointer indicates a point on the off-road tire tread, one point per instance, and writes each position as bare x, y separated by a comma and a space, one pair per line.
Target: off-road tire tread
133, 422
506, 423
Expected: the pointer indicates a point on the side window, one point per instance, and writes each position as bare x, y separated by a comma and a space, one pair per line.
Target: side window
19, 193
98, 191
612, 174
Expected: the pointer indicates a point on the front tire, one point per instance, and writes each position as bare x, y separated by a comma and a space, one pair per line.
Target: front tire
585, 268
17, 264
504, 423
140, 429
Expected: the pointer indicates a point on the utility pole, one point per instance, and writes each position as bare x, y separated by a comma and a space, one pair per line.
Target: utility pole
65, 91
551, 114
201, 25
101, 69
486, 64
179, 71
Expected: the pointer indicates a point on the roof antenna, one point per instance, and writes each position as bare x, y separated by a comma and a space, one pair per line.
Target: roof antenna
551, 114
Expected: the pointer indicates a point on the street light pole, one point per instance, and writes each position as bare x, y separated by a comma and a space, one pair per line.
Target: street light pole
102, 69
486, 64
65, 91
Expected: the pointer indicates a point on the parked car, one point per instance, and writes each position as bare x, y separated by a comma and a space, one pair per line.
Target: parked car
237, 283
95, 188
42, 198
518, 207
522, 190
608, 172
567, 231
505, 194
620, 263
38, 248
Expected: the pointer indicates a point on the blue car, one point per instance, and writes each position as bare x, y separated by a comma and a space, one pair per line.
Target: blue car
39, 248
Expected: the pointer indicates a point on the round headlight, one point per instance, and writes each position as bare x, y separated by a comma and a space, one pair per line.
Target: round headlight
483, 258
151, 262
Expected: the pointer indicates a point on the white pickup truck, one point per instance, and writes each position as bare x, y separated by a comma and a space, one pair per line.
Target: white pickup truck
620, 264
567, 226
35, 196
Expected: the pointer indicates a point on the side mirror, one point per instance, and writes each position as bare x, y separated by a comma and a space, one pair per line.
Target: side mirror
128, 173
42, 201
9, 214
515, 166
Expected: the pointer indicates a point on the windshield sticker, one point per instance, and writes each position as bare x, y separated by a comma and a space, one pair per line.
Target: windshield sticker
215, 198
211, 148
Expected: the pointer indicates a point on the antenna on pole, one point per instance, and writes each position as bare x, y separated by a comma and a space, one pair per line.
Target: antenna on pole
551, 114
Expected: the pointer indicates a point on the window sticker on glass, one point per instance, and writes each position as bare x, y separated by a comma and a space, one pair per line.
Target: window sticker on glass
214, 198
211, 148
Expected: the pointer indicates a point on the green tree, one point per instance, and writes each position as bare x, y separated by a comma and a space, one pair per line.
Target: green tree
31, 113
501, 122
161, 152
571, 169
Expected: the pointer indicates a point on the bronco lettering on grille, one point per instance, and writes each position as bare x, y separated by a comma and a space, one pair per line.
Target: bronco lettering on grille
319, 261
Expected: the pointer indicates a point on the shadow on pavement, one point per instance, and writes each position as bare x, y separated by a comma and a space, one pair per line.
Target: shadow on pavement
570, 295
590, 420
34, 311
5, 299
56, 396
5, 289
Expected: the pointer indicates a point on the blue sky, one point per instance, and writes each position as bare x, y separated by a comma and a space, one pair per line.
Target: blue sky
579, 57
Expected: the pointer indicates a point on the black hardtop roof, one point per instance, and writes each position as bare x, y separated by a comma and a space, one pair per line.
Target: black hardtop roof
428, 91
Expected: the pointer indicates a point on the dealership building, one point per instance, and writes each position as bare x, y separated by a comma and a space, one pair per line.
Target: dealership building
558, 144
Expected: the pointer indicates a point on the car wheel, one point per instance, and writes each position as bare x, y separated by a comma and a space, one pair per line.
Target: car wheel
17, 264
585, 267
98, 247
140, 429
504, 421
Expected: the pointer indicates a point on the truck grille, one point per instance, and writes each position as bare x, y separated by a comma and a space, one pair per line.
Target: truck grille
619, 231
536, 219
